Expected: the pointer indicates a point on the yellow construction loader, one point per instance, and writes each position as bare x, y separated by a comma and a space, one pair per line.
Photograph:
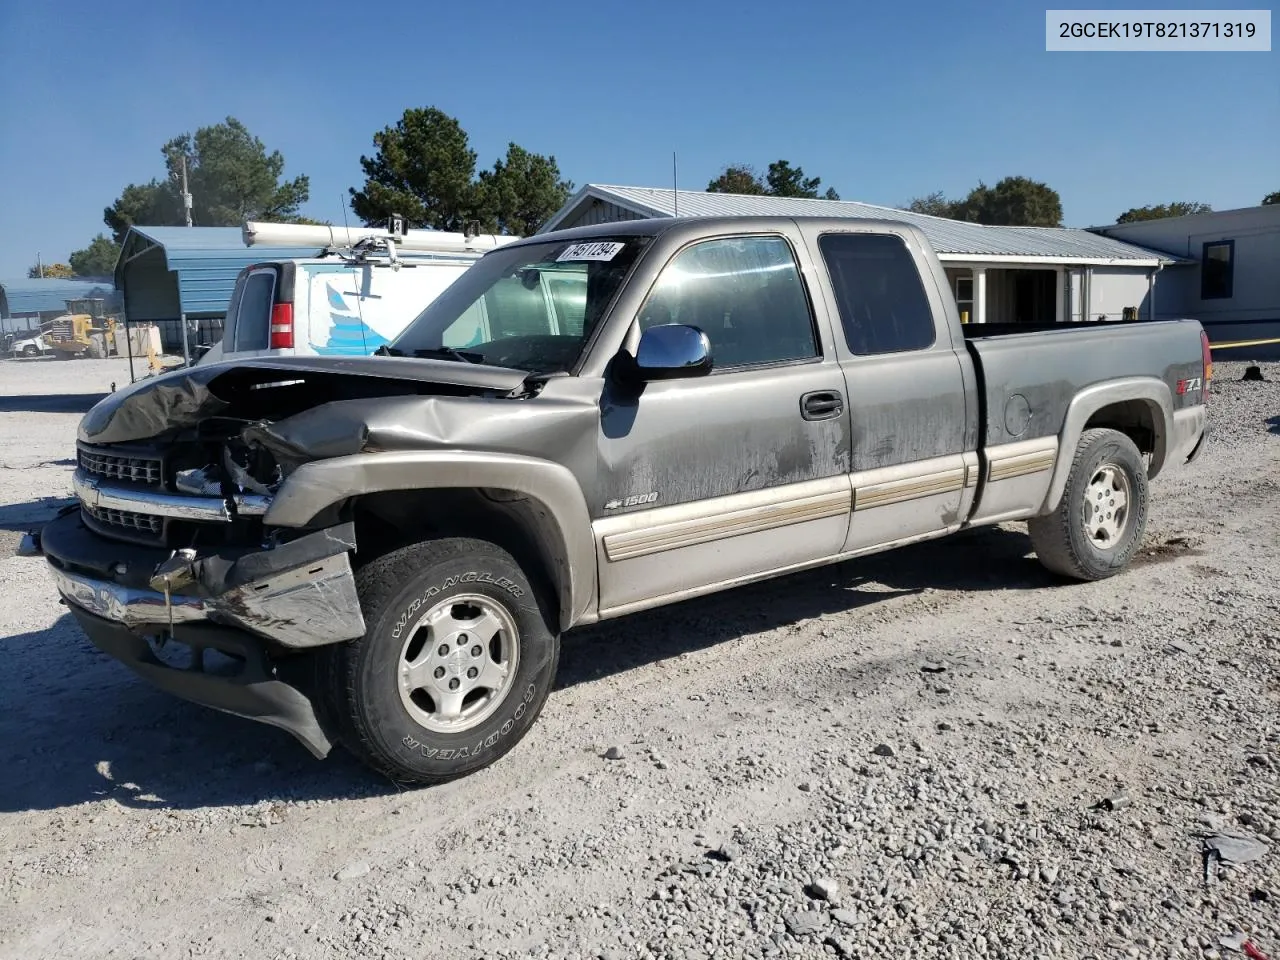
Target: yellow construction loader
75, 335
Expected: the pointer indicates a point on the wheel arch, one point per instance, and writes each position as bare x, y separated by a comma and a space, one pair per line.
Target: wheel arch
533, 508
1139, 407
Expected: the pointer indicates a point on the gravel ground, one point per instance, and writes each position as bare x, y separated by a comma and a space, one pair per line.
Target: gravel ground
905, 756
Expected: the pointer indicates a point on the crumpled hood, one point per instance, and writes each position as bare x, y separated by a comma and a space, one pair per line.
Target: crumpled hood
184, 397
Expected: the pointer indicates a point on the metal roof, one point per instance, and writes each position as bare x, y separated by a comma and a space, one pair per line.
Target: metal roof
952, 239
205, 259
45, 296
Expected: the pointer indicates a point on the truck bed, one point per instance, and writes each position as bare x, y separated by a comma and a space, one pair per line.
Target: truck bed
1049, 365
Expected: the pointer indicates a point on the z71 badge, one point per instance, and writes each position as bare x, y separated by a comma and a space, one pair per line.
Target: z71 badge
635, 500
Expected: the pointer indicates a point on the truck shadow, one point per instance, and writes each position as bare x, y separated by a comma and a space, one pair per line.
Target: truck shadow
79, 727
50, 402
988, 558
33, 513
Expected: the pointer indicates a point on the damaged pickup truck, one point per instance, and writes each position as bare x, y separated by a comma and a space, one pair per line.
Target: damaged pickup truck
383, 551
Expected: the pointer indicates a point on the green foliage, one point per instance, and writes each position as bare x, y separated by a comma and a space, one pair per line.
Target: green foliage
1271, 198
738, 179
424, 169
51, 271
1178, 208
1013, 202
152, 203
782, 180
935, 205
98, 259
521, 192
230, 176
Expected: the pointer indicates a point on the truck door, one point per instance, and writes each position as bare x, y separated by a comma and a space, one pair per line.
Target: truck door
912, 458
713, 480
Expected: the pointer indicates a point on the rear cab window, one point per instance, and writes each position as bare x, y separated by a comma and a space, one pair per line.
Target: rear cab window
882, 302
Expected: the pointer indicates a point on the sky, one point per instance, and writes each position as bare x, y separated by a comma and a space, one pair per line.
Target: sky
883, 101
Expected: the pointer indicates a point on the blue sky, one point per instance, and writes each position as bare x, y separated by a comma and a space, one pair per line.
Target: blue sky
883, 101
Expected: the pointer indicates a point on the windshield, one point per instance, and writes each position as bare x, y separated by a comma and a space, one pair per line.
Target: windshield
529, 307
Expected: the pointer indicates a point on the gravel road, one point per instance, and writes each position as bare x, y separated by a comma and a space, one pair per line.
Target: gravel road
904, 756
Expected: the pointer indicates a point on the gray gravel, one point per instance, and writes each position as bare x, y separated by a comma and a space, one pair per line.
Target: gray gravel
753, 814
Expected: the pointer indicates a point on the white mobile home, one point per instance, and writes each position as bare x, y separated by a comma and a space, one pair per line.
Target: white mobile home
1233, 286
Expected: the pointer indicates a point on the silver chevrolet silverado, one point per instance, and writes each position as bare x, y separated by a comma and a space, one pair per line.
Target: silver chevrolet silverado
383, 551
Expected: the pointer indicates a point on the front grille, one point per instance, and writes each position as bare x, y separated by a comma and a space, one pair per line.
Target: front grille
146, 470
124, 522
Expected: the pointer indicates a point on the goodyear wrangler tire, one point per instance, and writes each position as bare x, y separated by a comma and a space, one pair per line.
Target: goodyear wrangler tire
1099, 522
458, 660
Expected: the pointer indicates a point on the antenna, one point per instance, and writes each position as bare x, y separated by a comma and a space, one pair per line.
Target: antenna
186, 197
675, 190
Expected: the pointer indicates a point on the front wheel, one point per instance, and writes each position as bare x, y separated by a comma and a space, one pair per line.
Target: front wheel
456, 664
1099, 522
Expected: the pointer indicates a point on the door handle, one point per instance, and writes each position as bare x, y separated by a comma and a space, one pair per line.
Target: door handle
821, 405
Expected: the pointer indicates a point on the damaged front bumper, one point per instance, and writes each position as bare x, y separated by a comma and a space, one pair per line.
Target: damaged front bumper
253, 606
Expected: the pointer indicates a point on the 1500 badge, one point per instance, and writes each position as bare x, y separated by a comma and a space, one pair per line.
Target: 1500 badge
635, 500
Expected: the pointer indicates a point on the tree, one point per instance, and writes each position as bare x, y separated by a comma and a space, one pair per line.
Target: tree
521, 192
422, 169
785, 180
1271, 198
230, 176
782, 180
935, 205
153, 203
1179, 208
98, 259
50, 271
738, 179
1013, 202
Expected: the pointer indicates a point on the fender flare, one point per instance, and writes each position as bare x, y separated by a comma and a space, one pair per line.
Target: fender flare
1089, 401
319, 484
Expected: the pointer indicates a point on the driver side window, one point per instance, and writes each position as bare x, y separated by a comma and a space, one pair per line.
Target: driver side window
744, 293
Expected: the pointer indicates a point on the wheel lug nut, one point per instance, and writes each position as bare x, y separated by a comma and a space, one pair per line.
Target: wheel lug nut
472, 673
444, 650
454, 683
462, 639
476, 650
439, 673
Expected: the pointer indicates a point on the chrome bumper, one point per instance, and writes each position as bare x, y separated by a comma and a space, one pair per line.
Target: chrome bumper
95, 494
308, 606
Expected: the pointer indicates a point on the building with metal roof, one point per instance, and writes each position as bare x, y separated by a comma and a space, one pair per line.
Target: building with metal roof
166, 274
1031, 274
25, 302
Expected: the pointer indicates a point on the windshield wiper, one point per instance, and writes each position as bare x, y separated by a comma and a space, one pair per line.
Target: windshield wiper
386, 351
450, 353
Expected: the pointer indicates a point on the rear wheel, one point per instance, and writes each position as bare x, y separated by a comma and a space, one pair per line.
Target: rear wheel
1099, 522
457, 662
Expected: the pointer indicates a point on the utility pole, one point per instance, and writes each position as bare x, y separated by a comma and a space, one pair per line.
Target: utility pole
39, 266
186, 207
186, 197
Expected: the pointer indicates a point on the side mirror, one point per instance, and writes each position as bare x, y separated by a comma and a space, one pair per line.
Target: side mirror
671, 351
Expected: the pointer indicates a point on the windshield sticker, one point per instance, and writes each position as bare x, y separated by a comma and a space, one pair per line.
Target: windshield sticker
591, 251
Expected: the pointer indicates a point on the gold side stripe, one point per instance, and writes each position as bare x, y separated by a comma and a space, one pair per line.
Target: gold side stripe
1019, 466
909, 488
690, 532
